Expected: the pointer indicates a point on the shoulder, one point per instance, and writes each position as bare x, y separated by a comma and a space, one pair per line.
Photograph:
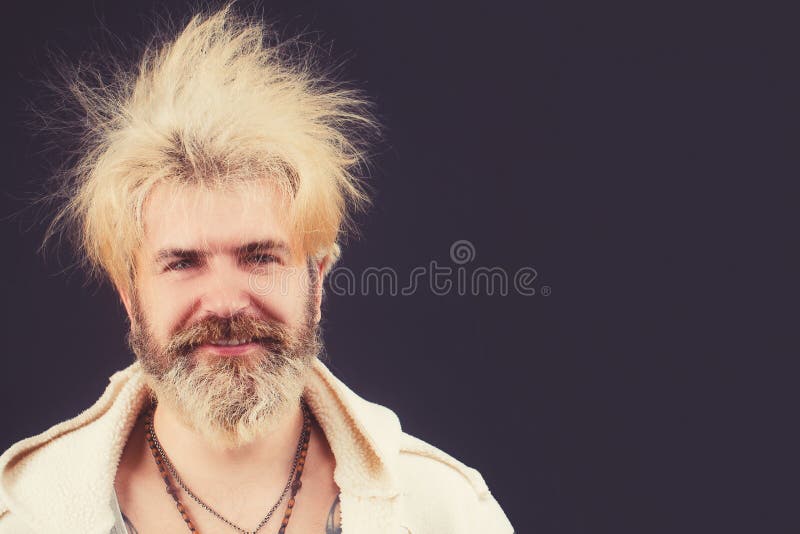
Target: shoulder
418, 456
60, 478
437, 489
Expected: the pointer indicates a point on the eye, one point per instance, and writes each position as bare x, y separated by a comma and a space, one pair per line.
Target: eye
180, 265
262, 258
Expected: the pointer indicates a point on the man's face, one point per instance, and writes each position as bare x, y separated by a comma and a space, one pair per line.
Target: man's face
225, 310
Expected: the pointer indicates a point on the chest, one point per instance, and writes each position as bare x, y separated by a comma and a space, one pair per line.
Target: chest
149, 509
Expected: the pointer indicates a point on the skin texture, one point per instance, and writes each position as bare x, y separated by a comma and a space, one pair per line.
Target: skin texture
333, 523
215, 279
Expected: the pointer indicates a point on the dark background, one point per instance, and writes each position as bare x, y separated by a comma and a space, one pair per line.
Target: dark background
642, 158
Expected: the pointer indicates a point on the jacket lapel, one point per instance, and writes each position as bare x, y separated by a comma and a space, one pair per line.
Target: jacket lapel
365, 440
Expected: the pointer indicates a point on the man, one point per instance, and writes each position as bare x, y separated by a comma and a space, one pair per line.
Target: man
216, 182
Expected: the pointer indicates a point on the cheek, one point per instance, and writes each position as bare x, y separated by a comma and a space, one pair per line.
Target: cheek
164, 310
288, 302
278, 306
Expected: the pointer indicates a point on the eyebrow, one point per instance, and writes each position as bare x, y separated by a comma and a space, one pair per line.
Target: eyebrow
254, 246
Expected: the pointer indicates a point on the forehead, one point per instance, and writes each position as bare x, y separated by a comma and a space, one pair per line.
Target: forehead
194, 216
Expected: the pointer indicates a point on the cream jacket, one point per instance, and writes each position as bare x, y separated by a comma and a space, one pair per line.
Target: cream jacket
62, 480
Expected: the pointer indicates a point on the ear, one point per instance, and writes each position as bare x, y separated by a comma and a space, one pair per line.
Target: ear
320, 267
125, 297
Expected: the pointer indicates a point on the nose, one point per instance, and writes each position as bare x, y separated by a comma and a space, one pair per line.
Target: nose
226, 294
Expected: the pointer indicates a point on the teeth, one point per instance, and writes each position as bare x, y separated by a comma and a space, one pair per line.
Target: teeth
229, 342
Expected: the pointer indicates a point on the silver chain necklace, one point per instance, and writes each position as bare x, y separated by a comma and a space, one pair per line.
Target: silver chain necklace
303, 439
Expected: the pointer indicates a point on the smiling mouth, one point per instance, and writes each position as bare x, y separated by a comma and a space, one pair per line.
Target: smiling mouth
231, 342
229, 348
237, 344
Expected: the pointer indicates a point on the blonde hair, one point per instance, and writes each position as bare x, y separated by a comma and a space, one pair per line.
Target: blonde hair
219, 104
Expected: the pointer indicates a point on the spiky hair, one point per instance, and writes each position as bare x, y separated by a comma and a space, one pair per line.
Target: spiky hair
218, 103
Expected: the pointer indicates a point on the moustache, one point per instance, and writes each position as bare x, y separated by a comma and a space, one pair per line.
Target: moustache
240, 326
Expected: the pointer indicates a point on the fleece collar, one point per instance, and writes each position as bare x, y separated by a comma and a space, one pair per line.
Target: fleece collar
62, 479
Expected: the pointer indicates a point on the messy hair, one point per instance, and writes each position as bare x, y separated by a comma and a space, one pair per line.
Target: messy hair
223, 102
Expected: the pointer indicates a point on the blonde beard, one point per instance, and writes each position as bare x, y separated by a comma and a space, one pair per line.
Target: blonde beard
230, 402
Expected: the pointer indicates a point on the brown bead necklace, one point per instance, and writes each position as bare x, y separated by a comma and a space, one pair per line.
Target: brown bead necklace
169, 473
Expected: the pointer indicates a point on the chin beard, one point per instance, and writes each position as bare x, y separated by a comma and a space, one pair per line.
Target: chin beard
229, 400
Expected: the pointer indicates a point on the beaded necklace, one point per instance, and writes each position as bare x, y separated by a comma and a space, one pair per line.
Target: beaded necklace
169, 473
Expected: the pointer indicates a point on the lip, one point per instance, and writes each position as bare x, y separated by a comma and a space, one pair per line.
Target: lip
228, 350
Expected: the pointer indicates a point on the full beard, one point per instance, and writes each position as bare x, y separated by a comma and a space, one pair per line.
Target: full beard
228, 400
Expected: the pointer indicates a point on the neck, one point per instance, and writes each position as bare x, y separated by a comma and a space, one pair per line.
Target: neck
268, 457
